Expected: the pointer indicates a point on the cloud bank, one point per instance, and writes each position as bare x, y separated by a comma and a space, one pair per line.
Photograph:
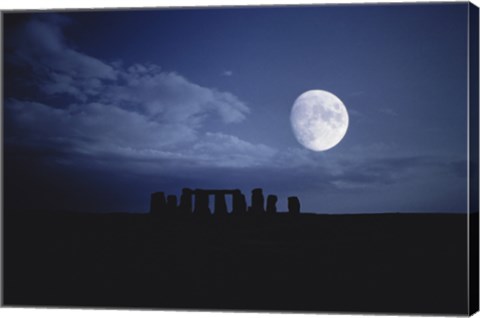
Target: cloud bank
136, 112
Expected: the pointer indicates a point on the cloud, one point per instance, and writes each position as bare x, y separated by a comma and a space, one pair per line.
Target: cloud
106, 131
380, 172
42, 46
137, 112
231, 151
170, 97
389, 112
227, 73
61, 70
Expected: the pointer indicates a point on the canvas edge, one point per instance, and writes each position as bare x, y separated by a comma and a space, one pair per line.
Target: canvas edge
2, 230
473, 159
229, 5
473, 128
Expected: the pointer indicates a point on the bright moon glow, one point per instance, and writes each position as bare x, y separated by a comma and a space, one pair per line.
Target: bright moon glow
319, 120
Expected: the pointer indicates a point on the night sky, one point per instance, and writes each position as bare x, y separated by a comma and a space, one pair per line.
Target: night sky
103, 108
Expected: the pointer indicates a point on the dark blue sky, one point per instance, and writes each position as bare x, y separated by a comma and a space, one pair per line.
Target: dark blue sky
102, 108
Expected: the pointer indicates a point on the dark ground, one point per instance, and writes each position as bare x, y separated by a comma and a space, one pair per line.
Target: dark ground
390, 263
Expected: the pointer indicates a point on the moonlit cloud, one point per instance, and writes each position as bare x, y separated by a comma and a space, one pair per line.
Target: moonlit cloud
170, 97
40, 44
138, 112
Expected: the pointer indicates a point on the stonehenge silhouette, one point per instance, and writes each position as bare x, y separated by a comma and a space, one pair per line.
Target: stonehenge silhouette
197, 202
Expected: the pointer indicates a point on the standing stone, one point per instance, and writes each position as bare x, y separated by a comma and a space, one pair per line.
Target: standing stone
201, 203
258, 201
293, 205
186, 201
158, 205
272, 204
243, 203
172, 204
239, 203
220, 204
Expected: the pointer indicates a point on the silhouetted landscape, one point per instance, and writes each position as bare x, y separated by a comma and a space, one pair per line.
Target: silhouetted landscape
253, 259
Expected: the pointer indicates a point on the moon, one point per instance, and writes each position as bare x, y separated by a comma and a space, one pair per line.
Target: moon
319, 120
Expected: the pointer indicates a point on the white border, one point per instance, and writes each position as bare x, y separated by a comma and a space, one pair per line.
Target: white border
87, 4
90, 4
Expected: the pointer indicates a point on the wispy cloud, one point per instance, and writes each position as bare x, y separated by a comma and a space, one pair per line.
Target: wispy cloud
136, 112
389, 112
227, 73
40, 45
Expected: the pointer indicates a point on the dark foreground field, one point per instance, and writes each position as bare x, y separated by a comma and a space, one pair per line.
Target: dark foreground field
398, 263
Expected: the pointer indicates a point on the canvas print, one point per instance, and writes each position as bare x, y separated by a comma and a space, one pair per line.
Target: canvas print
318, 158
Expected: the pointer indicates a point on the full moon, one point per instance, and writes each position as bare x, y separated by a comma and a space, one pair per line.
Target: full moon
319, 120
